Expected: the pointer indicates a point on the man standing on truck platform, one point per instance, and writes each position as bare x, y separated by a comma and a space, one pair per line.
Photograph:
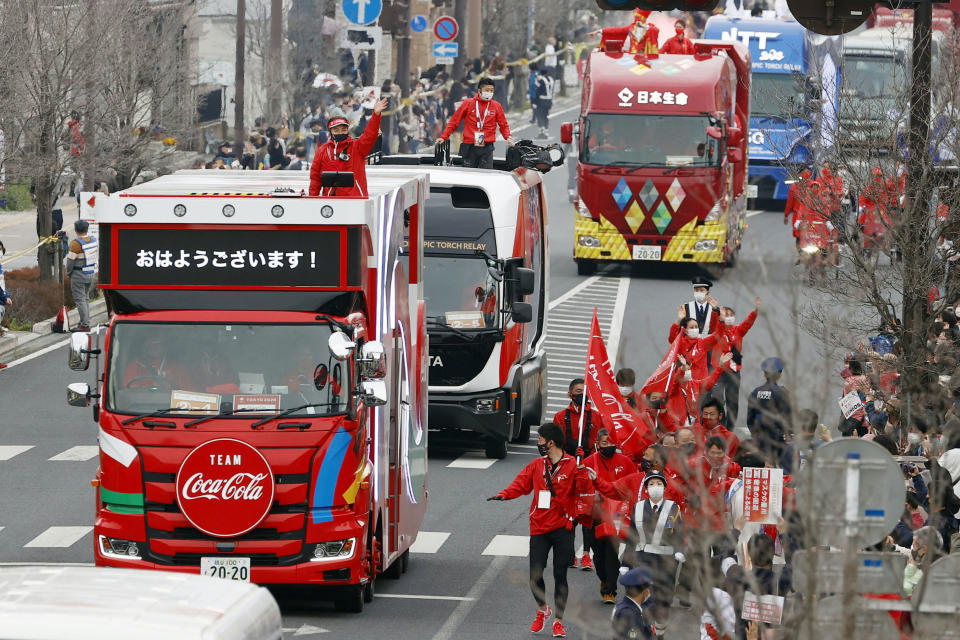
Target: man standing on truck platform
343, 153
481, 115
553, 480
82, 269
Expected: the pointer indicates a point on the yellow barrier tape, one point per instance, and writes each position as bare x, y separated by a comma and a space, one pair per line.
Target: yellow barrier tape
43, 241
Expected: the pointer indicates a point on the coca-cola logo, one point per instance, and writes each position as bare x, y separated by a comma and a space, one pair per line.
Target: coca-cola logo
225, 487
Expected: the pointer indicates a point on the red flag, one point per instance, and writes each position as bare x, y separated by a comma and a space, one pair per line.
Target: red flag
625, 425
660, 379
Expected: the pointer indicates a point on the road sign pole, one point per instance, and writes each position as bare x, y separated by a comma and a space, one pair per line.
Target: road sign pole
852, 516
460, 15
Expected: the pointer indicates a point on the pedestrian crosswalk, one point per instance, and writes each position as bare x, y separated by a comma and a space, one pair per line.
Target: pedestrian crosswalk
568, 332
59, 537
78, 453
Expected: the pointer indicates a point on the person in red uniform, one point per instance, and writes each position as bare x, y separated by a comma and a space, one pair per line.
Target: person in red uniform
731, 339
873, 205
343, 153
791, 211
481, 115
554, 481
710, 424
693, 347
679, 43
603, 539
686, 390
640, 37
569, 420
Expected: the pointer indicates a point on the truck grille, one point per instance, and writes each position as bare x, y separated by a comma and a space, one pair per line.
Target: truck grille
278, 541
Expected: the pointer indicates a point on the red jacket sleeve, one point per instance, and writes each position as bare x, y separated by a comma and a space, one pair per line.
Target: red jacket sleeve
455, 119
502, 122
714, 323
708, 383
674, 330
369, 136
523, 483
623, 489
791, 201
316, 172
746, 325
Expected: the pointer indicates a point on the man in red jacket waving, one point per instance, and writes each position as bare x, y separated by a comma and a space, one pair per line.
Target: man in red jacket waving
481, 116
343, 153
553, 480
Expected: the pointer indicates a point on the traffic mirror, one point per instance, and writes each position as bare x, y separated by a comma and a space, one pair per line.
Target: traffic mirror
831, 18
566, 133
78, 394
78, 356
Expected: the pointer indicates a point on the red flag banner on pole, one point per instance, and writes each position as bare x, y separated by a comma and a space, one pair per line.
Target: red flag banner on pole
660, 379
627, 428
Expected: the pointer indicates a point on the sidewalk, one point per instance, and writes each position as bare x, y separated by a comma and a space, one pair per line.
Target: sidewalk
18, 231
16, 344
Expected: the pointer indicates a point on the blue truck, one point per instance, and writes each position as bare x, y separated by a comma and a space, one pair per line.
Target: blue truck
784, 100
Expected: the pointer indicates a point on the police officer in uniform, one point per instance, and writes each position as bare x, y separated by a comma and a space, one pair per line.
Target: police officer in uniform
629, 620
769, 411
703, 308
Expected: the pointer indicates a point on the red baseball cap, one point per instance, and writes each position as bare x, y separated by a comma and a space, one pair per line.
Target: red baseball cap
337, 121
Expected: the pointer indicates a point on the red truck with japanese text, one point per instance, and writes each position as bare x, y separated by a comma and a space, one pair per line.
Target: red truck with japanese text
662, 155
260, 386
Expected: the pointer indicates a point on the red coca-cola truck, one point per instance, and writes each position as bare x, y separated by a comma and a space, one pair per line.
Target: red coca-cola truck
260, 386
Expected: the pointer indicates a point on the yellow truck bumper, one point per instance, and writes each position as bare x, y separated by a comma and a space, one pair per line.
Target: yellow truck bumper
602, 241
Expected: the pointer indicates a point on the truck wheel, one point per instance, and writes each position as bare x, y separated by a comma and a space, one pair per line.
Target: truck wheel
405, 561
523, 436
586, 267
369, 591
394, 570
351, 599
495, 448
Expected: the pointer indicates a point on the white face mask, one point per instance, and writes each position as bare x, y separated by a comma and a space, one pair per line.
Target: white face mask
730, 321
626, 391
699, 296
687, 375
655, 492
914, 438
486, 95
693, 333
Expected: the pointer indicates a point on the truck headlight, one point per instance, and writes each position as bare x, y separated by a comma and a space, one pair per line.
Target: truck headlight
705, 245
117, 548
582, 209
588, 241
714, 214
487, 405
333, 550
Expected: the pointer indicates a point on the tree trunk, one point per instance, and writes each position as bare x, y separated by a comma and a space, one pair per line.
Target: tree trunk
460, 15
274, 62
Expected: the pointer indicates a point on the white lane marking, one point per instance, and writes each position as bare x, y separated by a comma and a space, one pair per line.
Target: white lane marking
36, 354
757, 212
11, 450
522, 453
472, 460
306, 630
552, 115
46, 564
569, 294
79, 453
410, 596
428, 542
511, 546
452, 624
525, 446
613, 338
59, 537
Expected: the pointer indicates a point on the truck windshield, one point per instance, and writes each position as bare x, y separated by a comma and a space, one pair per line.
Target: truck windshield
775, 95
647, 140
872, 76
211, 368
460, 291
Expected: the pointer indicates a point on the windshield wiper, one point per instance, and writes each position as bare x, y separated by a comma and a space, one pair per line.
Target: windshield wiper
154, 414
618, 163
440, 323
287, 412
219, 415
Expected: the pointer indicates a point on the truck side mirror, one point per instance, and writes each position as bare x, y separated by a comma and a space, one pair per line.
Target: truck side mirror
340, 345
526, 281
734, 136
715, 132
735, 155
78, 394
373, 360
78, 356
566, 133
373, 393
521, 312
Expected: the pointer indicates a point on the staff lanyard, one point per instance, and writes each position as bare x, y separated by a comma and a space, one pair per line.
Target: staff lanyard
548, 474
480, 121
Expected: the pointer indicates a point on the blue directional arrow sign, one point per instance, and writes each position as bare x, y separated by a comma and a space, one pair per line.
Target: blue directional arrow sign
446, 49
418, 23
362, 11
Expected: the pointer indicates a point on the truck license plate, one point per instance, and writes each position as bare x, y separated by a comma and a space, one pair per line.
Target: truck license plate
226, 568
646, 252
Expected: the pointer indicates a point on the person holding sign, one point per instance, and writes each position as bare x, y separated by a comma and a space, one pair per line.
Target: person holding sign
554, 480
481, 115
343, 153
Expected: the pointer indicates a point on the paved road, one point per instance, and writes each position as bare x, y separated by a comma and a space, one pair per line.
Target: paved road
468, 576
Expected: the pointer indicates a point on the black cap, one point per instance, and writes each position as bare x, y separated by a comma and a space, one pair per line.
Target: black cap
638, 577
700, 281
